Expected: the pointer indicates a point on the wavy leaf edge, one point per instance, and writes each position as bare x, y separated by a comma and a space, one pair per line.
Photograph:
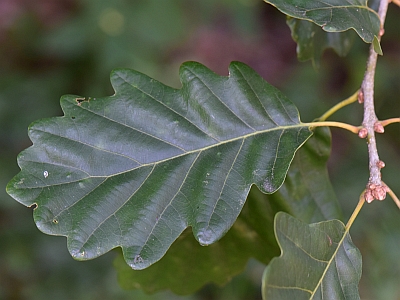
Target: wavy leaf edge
368, 36
91, 246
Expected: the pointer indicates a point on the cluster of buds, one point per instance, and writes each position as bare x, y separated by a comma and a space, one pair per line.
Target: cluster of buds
374, 191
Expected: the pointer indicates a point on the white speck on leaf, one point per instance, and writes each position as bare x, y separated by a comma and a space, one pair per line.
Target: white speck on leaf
137, 259
45, 174
268, 186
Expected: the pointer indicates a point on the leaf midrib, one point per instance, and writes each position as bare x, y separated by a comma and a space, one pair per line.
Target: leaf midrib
345, 233
283, 128
328, 262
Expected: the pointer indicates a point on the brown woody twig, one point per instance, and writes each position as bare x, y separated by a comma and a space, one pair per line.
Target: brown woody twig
375, 188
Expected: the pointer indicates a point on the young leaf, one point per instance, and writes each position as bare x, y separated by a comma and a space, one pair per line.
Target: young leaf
312, 40
318, 261
306, 194
334, 15
137, 168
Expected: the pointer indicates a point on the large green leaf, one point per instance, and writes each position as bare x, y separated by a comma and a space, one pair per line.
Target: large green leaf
137, 168
306, 194
334, 15
312, 40
318, 261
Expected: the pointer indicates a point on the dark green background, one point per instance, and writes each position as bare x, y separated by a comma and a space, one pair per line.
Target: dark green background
53, 47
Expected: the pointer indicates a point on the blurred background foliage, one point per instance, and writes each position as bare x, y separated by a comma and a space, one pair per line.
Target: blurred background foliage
53, 47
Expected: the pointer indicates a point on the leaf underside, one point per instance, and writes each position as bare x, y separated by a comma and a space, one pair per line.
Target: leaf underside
306, 194
137, 168
334, 15
312, 40
318, 261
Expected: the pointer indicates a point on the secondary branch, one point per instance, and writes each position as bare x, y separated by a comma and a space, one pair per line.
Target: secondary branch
375, 188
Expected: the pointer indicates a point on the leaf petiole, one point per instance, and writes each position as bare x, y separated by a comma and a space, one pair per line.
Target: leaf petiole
353, 98
390, 121
356, 211
392, 195
352, 128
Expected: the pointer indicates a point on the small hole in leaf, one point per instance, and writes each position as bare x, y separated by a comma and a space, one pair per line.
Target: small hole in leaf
73, 118
34, 206
80, 100
55, 221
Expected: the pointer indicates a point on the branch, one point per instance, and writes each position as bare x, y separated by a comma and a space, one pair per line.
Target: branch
375, 188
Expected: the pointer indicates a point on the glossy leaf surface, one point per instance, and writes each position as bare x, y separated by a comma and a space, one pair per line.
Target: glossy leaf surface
318, 261
137, 168
306, 193
334, 15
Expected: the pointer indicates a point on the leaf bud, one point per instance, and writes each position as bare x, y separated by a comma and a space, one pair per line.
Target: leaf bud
380, 164
360, 97
379, 193
363, 133
368, 196
378, 127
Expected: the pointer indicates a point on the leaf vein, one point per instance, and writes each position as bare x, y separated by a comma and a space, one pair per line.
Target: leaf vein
158, 101
172, 199
258, 98
89, 145
222, 102
288, 288
224, 184
303, 250
118, 208
133, 128
77, 200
